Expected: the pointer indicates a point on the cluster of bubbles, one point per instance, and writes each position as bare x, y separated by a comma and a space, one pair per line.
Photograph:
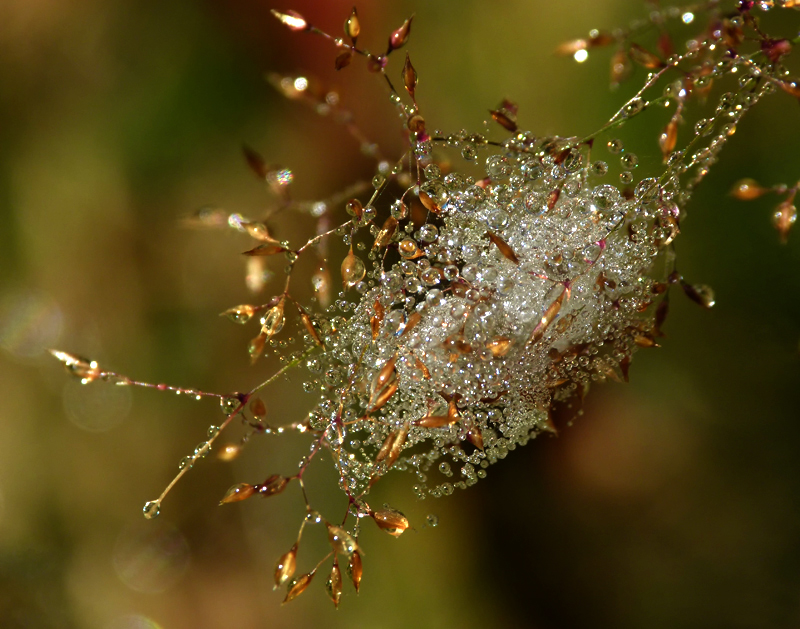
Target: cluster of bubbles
522, 286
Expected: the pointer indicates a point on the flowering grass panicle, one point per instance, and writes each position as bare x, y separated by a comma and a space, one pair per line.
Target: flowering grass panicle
488, 279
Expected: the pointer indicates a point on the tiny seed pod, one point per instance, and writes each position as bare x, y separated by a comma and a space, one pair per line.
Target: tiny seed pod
352, 26
240, 314
700, 294
334, 584
503, 247
409, 77
285, 566
747, 190
391, 521
299, 586
237, 493
275, 484
644, 57
355, 570
783, 218
343, 59
399, 37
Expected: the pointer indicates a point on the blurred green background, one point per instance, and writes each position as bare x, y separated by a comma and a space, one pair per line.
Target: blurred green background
673, 502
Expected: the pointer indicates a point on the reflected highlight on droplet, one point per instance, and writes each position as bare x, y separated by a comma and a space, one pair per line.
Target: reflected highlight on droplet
151, 557
30, 322
96, 409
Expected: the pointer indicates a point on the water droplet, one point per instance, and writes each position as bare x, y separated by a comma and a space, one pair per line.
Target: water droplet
635, 106
432, 171
229, 403
272, 322
433, 520
353, 270
469, 153
152, 509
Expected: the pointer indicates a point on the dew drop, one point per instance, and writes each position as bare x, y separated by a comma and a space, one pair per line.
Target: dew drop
152, 509
635, 106
229, 403
432, 171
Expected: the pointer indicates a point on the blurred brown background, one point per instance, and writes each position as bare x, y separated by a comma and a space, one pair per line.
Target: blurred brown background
675, 500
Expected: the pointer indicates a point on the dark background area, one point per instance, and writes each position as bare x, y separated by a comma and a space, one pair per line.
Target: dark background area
673, 502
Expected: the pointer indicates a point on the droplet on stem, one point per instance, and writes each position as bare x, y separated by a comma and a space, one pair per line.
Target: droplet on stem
240, 314
354, 207
353, 269
85, 369
272, 322
152, 509
341, 541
